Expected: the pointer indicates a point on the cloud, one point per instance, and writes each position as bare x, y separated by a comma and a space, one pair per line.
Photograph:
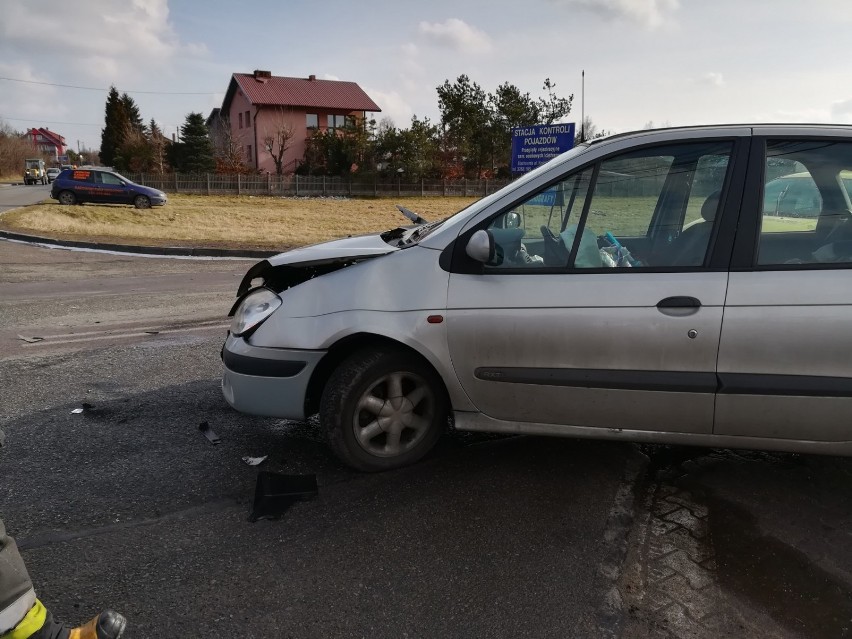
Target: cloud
647, 13
842, 110
36, 101
97, 38
393, 106
329, 76
456, 34
795, 116
713, 78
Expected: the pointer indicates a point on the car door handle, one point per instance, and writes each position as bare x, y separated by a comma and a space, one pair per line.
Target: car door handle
678, 306
679, 302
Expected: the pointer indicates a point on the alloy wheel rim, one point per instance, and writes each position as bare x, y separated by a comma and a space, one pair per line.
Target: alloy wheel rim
394, 414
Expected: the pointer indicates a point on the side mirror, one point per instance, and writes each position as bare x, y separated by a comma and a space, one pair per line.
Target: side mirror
513, 220
480, 247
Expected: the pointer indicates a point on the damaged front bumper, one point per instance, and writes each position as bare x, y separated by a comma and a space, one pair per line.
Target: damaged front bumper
267, 381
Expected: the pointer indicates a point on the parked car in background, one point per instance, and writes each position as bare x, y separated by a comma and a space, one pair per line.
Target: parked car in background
52, 172
584, 300
97, 185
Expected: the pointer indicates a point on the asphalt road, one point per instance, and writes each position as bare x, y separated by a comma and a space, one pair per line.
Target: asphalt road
13, 196
127, 504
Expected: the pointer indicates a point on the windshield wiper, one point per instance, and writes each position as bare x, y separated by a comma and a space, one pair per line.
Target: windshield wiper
411, 215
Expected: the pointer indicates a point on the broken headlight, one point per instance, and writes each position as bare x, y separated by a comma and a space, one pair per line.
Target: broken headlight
254, 308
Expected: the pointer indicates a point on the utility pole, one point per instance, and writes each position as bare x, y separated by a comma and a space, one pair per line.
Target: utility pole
583, 106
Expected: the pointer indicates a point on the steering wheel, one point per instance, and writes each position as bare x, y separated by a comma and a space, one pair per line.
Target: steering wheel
555, 253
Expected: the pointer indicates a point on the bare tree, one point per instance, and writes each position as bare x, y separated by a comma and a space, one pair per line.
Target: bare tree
14, 148
277, 137
228, 147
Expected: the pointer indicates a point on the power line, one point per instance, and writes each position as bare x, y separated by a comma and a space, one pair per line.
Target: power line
74, 86
40, 121
3, 117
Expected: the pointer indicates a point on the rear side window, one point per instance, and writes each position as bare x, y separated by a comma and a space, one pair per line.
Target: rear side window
807, 215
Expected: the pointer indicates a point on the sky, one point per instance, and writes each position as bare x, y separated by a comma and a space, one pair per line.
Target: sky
666, 62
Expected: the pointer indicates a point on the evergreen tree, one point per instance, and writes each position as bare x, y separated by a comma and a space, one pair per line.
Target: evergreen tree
123, 129
194, 153
115, 121
134, 118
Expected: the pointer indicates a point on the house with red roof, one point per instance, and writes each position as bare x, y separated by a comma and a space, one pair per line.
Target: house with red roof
259, 107
47, 142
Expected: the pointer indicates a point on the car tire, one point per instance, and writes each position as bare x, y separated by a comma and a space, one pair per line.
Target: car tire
67, 198
369, 431
142, 202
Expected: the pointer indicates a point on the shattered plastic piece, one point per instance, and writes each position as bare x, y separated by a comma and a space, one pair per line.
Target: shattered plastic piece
76, 411
275, 493
254, 461
204, 427
31, 340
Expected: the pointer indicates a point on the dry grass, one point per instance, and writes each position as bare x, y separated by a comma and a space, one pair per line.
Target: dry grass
234, 221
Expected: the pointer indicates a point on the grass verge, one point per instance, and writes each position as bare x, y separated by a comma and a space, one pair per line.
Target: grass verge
225, 221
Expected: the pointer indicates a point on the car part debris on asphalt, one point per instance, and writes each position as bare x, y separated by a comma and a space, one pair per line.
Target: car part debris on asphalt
275, 493
204, 427
254, 461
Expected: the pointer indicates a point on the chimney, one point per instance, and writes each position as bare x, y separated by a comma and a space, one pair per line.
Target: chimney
312, 78
262, 76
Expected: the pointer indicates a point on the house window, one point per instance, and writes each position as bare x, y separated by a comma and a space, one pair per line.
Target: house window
312, 120
248, 153
248, 119
241, 119
337, 121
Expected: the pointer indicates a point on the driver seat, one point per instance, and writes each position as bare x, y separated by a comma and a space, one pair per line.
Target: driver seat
691, 245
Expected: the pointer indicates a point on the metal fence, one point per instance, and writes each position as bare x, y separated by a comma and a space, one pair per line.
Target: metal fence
312, 186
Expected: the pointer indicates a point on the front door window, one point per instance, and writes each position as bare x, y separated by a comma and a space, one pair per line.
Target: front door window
654, 208
533, 234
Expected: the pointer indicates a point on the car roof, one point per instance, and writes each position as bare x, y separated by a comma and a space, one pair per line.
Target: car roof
765, 128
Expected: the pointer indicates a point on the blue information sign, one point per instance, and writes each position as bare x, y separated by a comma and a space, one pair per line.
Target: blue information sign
534, 145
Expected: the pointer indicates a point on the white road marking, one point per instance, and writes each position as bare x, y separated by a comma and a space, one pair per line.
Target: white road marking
138, 332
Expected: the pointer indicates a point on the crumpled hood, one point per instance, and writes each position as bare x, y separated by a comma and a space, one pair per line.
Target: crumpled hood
291, 268
330, 252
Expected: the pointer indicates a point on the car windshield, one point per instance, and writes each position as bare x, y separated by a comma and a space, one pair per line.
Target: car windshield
459, 218
121, 177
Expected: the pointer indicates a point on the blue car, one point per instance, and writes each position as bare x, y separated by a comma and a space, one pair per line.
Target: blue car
74, 186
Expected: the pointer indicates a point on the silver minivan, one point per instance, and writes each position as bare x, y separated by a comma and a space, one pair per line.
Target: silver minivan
634, 288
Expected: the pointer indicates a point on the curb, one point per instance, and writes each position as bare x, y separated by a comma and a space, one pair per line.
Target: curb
179, 251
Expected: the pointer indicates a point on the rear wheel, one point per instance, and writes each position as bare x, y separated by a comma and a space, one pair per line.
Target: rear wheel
67, 198
142, 202
383, 410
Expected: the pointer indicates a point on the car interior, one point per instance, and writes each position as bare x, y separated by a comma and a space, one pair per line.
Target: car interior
826, 238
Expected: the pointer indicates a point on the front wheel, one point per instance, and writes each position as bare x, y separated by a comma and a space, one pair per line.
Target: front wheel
383, 409
67, 198
142, 202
